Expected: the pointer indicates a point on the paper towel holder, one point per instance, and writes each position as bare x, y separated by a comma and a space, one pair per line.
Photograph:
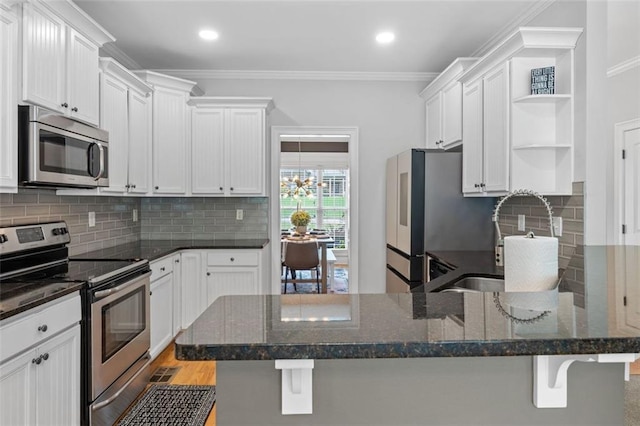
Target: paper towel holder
499, 248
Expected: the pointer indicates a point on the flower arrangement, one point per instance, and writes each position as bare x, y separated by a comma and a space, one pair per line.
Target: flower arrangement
300, 218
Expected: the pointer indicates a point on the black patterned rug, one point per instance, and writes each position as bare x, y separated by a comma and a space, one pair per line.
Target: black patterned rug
172, 405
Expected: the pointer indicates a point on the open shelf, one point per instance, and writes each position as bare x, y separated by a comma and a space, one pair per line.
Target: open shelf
542, 98
542, 146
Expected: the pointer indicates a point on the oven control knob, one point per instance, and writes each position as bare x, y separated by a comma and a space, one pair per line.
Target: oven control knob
64, 231
3, 238
56, 231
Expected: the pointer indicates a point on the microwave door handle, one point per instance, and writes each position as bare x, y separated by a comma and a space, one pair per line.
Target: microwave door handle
101, 172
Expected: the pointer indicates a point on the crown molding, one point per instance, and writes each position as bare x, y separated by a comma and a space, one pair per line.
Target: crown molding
80, 20
114, 68
110, 49
521, 20
231, 102
623, 66
300, 75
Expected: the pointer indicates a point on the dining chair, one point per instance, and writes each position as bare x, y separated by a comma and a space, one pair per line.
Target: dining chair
301, 256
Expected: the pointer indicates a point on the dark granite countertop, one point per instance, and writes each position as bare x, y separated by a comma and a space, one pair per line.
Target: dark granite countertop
155, 249
596, 312
464, 263
17, 298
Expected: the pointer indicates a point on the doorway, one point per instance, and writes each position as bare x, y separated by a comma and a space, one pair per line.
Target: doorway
333, 205
627, 176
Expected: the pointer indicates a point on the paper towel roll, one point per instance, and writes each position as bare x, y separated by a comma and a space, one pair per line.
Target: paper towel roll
530, 264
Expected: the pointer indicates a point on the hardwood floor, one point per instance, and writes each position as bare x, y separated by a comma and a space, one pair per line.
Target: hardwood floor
191, 373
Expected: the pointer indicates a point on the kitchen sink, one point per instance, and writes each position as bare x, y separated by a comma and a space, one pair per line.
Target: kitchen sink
475, 285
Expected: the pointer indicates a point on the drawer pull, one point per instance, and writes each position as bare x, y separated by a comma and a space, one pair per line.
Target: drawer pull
233, 259
44, 356
43, 328
37, 361
162, 269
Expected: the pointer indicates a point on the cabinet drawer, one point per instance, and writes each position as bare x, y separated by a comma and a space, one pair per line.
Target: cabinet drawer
231, 258
38, 324
161, 267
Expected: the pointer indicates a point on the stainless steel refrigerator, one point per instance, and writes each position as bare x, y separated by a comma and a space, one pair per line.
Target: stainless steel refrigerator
425, 210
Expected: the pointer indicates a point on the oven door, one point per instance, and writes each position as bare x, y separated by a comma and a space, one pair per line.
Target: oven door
119, 330
67, 158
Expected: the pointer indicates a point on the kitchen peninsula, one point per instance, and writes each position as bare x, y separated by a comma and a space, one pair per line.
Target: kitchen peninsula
427, 358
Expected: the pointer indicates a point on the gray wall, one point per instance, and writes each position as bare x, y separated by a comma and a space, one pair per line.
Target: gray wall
114, 216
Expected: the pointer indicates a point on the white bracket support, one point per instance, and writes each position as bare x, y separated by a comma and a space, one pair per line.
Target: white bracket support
550, 375
297, 389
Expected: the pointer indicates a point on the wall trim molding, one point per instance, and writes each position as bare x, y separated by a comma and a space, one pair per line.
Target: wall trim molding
300, 75
523, 19
110, 49
623, 66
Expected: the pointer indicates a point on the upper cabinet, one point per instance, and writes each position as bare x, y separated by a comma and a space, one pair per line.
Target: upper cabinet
513, 137
444, 106
60, 59
8, 100
125, 112
170, 164
228, 145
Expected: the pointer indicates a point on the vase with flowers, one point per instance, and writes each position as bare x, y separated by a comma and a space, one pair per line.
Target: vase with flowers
300, 219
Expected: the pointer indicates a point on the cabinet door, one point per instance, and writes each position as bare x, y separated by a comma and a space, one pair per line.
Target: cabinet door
234, 280
496, 129
245, 148
169, 141
43, 58
8, 102
451, 114
82, 78
177, 296
207, 153
472, 146
139, 156
114, 119
161, 314
58, 380
434, 123
17, 382
194, 293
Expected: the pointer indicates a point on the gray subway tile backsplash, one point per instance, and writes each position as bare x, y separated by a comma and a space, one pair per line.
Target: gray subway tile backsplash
204, 218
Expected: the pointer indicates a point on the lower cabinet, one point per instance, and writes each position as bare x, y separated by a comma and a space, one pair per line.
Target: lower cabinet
161, 314
209, 274
42, 385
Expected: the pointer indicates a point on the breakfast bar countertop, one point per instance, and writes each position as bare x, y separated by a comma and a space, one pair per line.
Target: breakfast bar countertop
596, 312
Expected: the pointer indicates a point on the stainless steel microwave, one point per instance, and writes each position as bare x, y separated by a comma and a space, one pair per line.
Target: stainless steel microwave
56, 151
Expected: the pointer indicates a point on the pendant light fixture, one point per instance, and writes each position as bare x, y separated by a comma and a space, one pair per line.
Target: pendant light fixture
295, 187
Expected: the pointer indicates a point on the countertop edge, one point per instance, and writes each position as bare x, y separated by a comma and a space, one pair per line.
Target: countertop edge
39, 302
263, 352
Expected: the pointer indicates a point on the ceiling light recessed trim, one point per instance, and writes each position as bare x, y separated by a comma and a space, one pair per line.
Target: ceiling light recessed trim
208, 35
385, 37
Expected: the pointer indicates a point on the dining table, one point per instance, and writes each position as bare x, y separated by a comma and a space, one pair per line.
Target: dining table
323, 241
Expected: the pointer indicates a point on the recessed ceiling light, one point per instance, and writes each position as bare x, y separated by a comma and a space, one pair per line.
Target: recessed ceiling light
208, 35
385, 37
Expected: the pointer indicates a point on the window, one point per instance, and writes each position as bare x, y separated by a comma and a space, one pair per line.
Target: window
329, 206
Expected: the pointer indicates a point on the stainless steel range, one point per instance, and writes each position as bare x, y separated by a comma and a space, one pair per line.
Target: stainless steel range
34, 265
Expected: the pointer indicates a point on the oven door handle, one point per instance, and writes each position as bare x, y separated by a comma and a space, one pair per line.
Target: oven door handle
104, 293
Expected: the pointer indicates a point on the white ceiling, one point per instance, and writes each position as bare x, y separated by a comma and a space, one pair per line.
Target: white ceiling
304, 35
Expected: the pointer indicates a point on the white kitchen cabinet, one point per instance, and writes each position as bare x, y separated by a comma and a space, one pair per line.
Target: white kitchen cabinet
527, 140
177, 295
234, 280
170, 164
161, 314
125, 112
40, 366
485, 127
228, 146
444, 106
8, 100
59, 62
194, 291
